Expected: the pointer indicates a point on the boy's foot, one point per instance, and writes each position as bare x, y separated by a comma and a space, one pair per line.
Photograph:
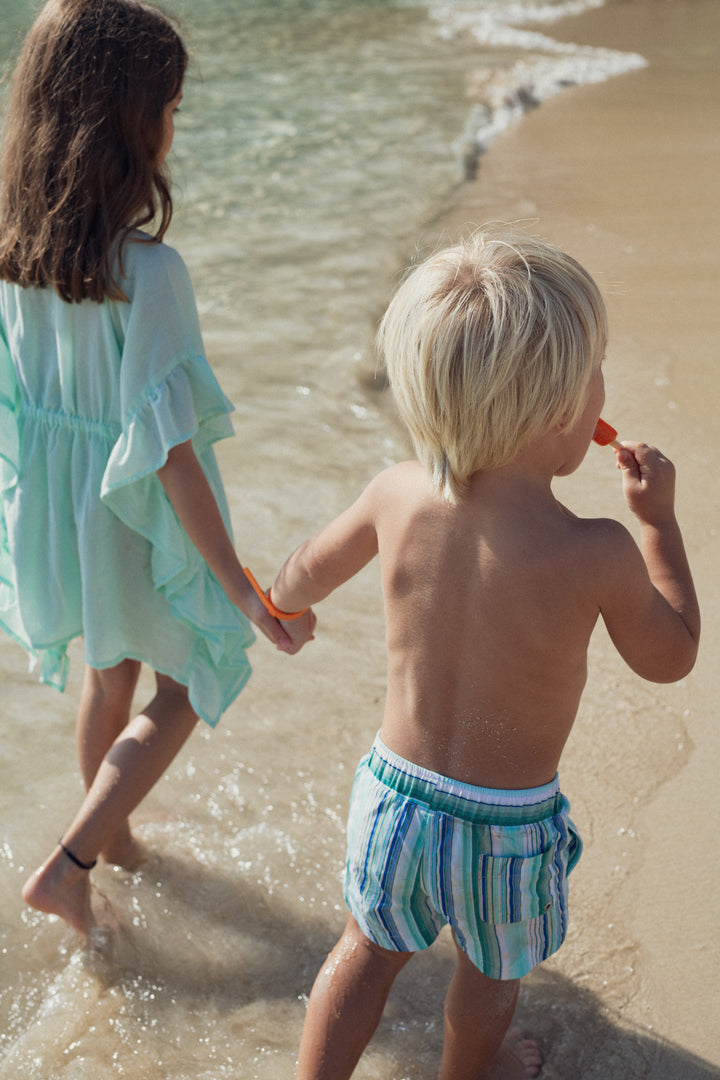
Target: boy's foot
59, 887
517, 1059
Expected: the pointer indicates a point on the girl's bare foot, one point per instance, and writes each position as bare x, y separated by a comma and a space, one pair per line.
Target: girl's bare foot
126, 851
59, 887
517, 1059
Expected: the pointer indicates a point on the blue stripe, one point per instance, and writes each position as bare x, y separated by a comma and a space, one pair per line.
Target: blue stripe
445, 844
387, 876
513, 889
369, 845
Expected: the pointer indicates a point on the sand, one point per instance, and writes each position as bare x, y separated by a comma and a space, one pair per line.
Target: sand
624, 175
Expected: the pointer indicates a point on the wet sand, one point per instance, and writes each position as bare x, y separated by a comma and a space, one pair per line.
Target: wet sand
624, 176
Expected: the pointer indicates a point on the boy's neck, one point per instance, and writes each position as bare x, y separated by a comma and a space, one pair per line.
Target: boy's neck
532, 469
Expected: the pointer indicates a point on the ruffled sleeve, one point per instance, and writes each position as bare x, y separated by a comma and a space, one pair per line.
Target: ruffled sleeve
169, 395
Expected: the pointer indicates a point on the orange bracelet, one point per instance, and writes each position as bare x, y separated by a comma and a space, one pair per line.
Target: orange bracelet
286, 616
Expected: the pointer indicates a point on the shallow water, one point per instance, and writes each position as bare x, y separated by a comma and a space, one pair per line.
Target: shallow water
316, 141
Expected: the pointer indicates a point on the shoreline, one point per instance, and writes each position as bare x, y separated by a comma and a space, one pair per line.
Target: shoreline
622, 174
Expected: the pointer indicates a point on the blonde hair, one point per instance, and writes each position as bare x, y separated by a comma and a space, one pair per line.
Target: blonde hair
488, 345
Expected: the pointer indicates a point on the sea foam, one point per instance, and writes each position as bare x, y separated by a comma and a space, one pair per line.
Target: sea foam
547, 67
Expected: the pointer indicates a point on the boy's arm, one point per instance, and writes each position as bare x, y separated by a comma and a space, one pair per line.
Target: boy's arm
651, 610
332, 556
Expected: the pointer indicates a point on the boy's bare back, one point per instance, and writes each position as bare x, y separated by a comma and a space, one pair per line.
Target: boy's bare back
487, 655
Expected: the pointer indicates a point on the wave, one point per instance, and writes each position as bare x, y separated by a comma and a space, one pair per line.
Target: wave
547, 66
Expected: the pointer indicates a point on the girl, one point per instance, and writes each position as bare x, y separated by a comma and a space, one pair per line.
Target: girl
113, 521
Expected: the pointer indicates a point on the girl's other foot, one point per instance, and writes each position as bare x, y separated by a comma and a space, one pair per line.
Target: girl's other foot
125, 851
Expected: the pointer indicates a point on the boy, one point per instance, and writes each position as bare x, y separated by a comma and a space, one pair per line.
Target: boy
492, 589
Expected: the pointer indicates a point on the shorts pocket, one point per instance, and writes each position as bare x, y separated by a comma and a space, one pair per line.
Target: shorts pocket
516, 887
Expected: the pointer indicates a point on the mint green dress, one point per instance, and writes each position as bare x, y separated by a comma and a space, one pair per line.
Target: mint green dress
92, 398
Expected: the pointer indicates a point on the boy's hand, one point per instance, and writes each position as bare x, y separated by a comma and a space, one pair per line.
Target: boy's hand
300, 631
648, 482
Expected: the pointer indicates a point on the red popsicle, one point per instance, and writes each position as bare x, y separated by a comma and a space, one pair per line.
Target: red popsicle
606, 435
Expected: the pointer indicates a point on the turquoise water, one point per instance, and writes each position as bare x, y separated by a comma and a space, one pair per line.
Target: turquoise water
317, 139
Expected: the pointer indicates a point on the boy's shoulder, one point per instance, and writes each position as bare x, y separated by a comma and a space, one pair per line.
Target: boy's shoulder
601, 556
402, 472
600, 530
399, 482
599, 539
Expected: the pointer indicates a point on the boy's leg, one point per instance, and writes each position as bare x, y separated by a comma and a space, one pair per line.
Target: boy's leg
346, 1005
135, 761
104, 712
478, 1013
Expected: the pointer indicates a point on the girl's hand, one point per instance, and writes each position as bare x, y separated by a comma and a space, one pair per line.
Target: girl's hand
296, 629
648, 483
288, 637
266, 623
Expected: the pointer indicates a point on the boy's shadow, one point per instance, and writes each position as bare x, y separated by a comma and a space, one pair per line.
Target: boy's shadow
578, 1037
205, 933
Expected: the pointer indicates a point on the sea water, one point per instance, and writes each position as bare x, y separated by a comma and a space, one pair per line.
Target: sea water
317, 141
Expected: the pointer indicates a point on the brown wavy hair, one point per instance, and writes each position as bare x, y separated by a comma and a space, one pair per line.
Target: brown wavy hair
79, 165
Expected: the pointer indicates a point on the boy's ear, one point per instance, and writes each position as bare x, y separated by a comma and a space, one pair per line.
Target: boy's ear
564, 424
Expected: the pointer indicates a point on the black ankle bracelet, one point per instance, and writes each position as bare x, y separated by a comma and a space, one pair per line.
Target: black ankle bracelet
74, 858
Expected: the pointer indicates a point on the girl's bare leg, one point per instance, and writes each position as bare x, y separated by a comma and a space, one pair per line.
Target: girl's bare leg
345, 1005
134, 763
478, 1013
104, 712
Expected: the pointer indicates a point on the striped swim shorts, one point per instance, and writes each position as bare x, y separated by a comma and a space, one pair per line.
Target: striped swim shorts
425, 851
